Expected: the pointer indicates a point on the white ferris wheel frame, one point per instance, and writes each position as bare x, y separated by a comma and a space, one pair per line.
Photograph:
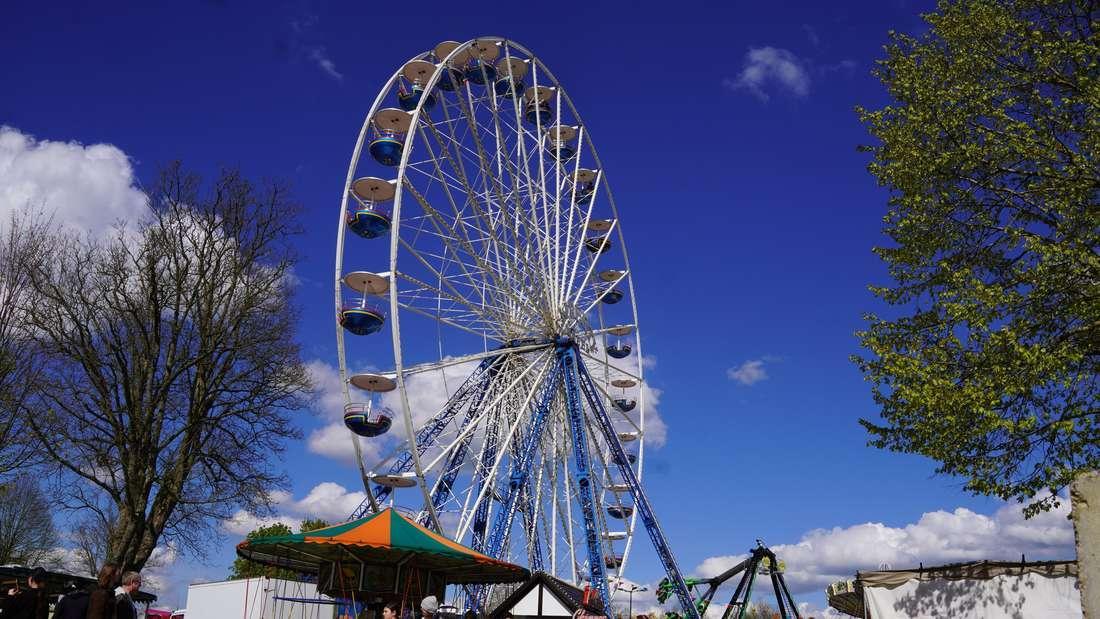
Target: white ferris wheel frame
400, 370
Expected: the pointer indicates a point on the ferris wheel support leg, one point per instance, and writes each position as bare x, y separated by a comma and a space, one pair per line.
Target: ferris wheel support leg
425, 437
442, 490
521, 473
582, 471
641, 501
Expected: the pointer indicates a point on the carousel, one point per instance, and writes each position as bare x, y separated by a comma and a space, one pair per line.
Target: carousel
380, 558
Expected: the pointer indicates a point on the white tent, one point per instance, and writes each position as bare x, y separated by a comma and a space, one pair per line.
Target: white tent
979, 590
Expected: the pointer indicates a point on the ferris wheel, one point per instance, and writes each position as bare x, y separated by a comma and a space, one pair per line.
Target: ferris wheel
477, 224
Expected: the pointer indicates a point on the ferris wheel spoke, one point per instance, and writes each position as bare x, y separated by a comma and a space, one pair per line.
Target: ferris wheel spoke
488, 477
448, 234
580, 246
465, 242
501, 294
492, 407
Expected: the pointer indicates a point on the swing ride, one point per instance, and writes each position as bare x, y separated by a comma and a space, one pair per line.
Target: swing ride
507, 259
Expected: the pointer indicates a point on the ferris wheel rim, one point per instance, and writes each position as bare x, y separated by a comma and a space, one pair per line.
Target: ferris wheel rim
400, 369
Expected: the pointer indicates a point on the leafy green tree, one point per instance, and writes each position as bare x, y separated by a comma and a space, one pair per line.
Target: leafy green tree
243, 568
312, 524
991, 151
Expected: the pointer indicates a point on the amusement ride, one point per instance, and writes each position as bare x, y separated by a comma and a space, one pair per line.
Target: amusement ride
477, 216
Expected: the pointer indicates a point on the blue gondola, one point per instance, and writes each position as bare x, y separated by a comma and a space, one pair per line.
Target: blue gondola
597, 244
624, 404
563, 151
504, 88
409, 100
539, 113
360, 318
613, 296
357, 419
630, 459
369, 222
451, 80
474, 72
618, 350
386, 149
621, 512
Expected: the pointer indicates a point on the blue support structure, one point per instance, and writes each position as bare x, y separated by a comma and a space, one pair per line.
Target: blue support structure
641, 502
581, 472
534, 546
442, 490
517, 489
425, 437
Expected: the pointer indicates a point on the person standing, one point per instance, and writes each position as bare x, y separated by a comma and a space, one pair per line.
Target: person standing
101, 603
72, 605
124, 601
428, 607
29, 603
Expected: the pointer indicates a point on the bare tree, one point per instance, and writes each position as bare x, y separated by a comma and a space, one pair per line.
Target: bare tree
27, 534
24, 243
170, 364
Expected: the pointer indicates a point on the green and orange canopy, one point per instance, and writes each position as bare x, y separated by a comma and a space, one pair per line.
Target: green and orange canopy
384, 538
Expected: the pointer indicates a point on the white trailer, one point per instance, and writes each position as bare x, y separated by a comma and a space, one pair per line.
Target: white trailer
257, 598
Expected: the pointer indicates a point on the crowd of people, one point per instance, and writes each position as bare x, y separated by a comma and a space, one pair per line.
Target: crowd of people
111, 597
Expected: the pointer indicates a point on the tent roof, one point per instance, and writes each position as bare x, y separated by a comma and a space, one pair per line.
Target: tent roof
385, 538
847, 595
975, 570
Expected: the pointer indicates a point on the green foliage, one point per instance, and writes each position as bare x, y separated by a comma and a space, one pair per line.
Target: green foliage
312, 524
243, 568
988, 363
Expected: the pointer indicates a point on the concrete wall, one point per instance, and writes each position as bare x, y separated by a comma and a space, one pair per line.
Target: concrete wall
1086, 526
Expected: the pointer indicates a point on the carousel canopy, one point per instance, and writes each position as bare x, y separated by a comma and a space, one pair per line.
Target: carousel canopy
385, 538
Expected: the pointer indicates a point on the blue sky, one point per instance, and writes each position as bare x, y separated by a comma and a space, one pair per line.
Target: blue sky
728, 133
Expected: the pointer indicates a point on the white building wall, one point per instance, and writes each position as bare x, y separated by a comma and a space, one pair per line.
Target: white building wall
254, 598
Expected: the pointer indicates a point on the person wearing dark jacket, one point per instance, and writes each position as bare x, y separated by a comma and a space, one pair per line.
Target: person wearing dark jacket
124, 604
72, 605
101, 602
29, 603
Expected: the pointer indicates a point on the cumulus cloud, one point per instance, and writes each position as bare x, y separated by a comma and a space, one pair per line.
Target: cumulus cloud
244, 522
771, 68
748, 373
328, 501
823, 556
91, 188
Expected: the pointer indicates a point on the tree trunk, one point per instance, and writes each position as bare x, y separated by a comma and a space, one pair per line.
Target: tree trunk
1085, 496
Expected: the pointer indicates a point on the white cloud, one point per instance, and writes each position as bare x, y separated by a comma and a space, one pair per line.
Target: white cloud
823, 556
328, 501
244, 522
749, 372
771, 67
90, 188
320, 56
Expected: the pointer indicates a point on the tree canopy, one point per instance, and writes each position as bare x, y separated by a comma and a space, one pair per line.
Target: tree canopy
991, 152
169, 366
27, 533
243, 568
